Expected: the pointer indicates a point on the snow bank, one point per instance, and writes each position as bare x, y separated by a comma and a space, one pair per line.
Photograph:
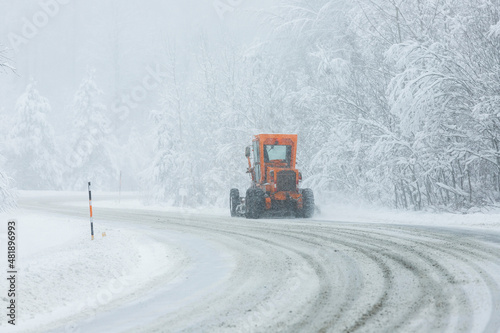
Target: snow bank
134, 200
63, 273
372, 214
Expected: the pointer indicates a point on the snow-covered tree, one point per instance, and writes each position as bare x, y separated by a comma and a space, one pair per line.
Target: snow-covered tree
5, 63
32, 155
166, 175
91, 155
394, 102
7, 194
240, 95
396, 96
201, 125
171, 177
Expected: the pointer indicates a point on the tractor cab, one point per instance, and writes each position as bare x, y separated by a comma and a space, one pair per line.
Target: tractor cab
273, 159
275, 180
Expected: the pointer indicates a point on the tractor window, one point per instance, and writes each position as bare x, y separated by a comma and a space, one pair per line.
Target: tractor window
256, 151
256, 160
279, 153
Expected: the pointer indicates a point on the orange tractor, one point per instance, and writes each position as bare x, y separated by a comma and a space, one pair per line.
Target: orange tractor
275, 180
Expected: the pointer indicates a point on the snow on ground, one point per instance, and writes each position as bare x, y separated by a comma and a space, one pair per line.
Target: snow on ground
489, 219
133, 200
61, 272
64, 276
332, 211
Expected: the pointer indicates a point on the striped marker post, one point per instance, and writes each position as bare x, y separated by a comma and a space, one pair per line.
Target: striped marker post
91, 218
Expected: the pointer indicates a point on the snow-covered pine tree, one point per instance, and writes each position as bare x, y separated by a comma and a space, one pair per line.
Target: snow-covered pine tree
172, 178
91, 151
4, 61
164, 176
32, 155
7, 193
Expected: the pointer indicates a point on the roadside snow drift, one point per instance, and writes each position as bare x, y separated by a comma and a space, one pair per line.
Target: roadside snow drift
63, 273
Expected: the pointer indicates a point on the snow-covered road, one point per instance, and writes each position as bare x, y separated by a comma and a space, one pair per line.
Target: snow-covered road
298, 275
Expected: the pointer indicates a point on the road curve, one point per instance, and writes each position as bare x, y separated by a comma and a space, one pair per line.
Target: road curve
300, 275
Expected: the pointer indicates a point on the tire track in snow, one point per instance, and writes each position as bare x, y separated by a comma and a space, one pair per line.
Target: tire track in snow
388, 275
435, 288
431, 290
323, 310
465, 252
374, 277
367, 242
260, 242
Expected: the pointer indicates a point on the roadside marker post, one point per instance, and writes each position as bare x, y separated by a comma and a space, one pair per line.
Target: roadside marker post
91, 218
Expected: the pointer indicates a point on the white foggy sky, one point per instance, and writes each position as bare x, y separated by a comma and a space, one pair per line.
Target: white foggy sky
101, 34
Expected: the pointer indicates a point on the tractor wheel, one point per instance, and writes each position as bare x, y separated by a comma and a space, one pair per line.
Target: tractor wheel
307, 203
234, 200
255, 203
